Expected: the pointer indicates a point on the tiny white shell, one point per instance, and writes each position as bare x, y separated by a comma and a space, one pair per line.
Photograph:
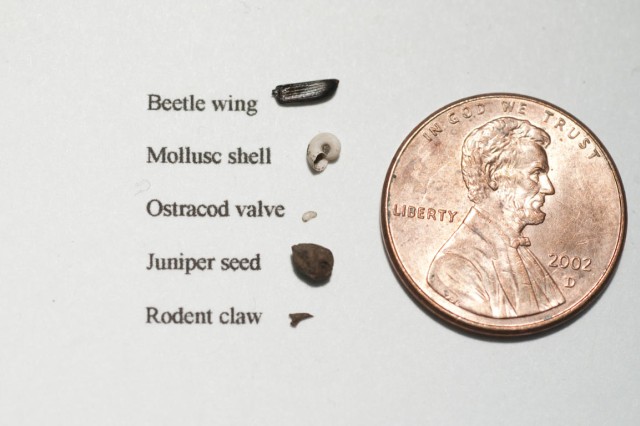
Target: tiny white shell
322, 149
308, 216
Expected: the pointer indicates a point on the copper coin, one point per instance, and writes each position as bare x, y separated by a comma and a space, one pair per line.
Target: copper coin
503, 214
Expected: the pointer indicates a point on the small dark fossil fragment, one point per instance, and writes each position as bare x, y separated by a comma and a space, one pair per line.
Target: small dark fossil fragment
307, 92
313, 261
299, 316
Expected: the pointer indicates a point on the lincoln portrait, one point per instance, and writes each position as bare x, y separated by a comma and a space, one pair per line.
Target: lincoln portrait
486, 266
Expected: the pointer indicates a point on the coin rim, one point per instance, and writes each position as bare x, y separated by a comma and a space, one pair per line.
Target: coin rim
492, 330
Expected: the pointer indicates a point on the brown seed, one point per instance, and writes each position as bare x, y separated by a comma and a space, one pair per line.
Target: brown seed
313, 261
299, 316
307, 92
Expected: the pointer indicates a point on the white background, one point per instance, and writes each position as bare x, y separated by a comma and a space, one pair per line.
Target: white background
75, 237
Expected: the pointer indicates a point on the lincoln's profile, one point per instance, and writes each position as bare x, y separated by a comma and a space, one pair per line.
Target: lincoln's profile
486, 266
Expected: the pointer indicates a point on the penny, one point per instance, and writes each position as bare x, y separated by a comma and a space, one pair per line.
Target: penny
503, 214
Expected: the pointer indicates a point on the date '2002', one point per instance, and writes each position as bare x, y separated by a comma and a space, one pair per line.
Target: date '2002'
574, 262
